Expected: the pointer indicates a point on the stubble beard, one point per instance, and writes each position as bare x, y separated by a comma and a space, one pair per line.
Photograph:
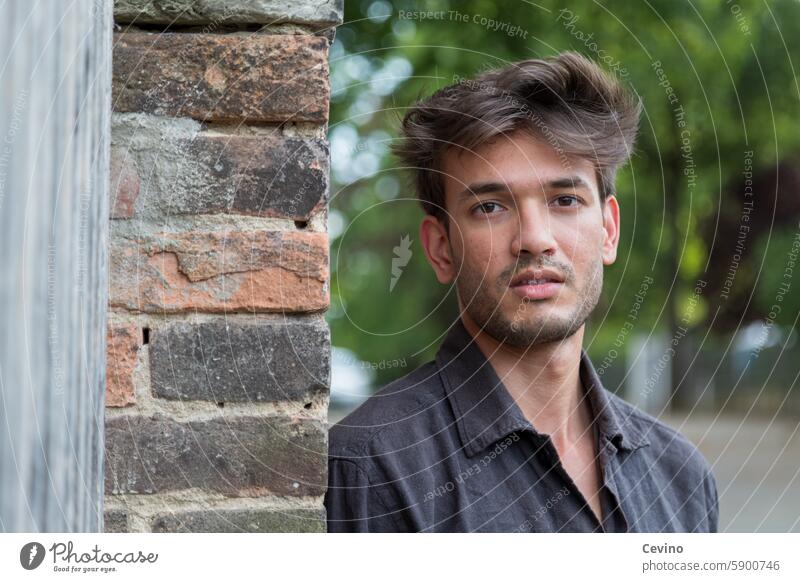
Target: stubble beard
532, 323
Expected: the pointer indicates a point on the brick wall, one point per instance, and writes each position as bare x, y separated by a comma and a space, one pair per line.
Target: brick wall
218, 351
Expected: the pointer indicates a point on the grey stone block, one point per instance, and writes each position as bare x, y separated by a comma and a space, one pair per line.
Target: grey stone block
227, 362
115, 521
228, 521
162, 167
234, 456
223, 12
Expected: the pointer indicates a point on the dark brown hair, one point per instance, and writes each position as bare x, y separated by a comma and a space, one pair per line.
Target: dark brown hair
566, 100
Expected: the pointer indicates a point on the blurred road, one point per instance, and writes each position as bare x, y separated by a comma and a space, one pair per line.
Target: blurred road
757, 466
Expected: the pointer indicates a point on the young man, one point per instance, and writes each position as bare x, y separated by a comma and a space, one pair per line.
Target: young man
510, 429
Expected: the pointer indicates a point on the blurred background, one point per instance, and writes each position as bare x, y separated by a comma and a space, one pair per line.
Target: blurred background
698, 320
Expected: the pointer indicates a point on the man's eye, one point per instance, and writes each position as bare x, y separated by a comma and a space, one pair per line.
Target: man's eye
567, 200
486, 207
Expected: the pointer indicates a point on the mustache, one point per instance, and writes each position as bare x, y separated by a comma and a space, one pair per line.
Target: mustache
521, 265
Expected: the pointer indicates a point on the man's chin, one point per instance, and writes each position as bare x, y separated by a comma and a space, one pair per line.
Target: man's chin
546, 326
538, 335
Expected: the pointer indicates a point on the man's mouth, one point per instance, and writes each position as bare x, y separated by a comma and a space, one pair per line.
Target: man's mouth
539, 284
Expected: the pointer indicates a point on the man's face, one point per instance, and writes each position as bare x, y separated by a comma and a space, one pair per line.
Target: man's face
522, 214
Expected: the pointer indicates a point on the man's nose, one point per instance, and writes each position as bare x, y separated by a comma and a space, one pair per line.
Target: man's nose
534, 233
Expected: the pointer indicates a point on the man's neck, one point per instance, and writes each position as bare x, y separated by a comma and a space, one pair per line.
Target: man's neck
544, 380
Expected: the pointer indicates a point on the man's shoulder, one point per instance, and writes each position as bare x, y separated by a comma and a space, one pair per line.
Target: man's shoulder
399, 409
666, 445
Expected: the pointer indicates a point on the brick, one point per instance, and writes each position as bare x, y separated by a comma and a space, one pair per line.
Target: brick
115, 521
223, 12
215, 271
125, 185
252, 77
122, 353
231, 521
188, 171
234, 456
226, 362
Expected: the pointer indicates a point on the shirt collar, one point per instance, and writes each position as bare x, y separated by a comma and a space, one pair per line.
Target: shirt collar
486, 412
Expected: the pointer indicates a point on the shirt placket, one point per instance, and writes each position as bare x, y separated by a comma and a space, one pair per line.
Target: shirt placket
607, 456
550, 453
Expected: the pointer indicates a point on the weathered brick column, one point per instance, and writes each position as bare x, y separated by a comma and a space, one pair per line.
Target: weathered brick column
218, 351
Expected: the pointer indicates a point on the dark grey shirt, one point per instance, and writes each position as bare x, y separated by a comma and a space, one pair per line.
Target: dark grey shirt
446, 448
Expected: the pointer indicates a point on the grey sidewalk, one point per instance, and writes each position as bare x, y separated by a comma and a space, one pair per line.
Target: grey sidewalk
757, 466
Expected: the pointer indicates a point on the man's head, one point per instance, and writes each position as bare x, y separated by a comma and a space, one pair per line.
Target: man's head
515, 170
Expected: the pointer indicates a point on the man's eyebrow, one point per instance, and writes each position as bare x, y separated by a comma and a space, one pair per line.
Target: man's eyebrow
483, 188
488, 187
568, 182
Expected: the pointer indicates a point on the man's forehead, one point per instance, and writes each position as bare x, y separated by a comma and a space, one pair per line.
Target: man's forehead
518, 159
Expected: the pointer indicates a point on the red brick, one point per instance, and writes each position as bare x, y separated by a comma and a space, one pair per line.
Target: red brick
122, 351
253, 77
256, 271
125, 185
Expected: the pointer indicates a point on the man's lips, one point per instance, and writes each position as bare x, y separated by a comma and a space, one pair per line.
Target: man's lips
538, 290
537, 284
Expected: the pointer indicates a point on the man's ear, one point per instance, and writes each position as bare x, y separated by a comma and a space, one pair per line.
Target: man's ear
435, 240
611, 227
